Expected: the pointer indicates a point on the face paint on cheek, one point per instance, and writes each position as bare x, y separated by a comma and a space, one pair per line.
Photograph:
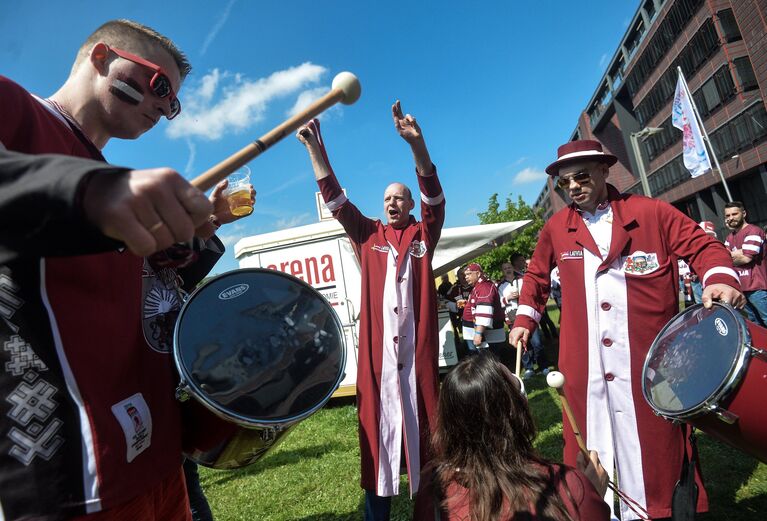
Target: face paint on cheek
127, 90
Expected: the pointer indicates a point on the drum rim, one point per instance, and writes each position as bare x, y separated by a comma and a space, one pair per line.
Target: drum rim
186, 384
731, 380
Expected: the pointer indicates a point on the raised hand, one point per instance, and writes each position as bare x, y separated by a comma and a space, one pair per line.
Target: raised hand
406, 125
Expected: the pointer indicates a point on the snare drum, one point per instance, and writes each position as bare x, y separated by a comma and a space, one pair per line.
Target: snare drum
260, 349
705, 368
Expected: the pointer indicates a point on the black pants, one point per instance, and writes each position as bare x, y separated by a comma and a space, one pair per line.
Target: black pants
197, 500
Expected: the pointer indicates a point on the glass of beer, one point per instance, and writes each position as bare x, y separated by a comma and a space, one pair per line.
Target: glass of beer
237, 192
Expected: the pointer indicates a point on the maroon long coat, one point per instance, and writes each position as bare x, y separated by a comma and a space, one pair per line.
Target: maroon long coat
613, 306
397, 371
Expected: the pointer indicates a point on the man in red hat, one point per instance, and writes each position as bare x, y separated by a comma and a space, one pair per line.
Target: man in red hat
483, 316
746, 245
616, 255
397, 373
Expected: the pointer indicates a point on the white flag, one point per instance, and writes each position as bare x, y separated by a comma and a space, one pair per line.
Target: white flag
682, 117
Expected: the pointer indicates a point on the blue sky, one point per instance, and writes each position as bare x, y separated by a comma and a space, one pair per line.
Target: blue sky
496, 87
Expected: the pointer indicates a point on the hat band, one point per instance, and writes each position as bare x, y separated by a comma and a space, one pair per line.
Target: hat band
580, 154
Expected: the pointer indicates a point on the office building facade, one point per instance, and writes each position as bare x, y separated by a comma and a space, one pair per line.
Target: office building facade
721, 47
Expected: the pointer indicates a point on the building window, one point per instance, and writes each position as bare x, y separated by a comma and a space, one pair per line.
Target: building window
745, 73
668, 176
729, 25
669, 29
701, 46
715, 92
741, 132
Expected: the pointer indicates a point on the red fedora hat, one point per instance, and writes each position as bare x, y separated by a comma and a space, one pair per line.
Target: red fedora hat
580, 151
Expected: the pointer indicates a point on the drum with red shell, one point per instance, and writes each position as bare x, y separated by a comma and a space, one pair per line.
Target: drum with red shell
707, 367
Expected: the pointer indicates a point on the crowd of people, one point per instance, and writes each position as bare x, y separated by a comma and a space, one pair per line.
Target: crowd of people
91, 429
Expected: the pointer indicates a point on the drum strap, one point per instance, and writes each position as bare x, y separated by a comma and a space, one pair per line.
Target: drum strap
685, 497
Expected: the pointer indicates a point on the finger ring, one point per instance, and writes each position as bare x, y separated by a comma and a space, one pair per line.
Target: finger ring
156, 227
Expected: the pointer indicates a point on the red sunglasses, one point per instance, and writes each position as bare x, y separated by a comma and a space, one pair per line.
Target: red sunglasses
160, 84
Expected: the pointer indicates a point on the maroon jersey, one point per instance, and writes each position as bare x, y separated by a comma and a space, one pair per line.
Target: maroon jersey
750, 240
88, 418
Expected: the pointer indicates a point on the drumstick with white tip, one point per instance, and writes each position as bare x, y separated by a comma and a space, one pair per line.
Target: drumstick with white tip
345, 89
518, 365
556, 380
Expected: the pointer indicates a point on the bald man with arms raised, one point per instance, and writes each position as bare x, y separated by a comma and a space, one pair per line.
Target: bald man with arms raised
397, 373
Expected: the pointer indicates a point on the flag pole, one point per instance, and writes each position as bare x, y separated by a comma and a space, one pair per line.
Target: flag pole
705, 134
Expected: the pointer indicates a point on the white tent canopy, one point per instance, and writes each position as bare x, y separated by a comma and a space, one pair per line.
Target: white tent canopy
455, 247
459, 245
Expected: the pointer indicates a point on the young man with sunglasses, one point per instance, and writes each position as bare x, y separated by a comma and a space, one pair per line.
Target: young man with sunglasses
617, 258
88, 421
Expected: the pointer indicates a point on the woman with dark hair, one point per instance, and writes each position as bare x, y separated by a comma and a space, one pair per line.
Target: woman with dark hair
485, 467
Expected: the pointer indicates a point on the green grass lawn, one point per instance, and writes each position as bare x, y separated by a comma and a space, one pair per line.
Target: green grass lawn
314, 473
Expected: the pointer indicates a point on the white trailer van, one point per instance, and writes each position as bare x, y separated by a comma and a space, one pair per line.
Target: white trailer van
321, 255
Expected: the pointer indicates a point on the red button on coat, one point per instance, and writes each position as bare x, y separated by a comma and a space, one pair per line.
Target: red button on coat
609, 377
606, 306
607, 342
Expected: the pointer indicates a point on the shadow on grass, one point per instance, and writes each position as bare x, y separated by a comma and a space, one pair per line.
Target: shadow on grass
275, 460
725, 472
329, 516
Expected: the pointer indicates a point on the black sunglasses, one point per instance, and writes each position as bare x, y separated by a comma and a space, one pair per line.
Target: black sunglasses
581, 177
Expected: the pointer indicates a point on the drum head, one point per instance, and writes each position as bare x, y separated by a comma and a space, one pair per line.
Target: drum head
259, 347
695, 360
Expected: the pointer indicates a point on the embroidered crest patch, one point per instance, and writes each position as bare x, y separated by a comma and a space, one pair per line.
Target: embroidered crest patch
418, 249
640, 263
571, 255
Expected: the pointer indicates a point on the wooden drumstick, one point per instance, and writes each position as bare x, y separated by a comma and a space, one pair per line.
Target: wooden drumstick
556, 380
518, 365
345, 89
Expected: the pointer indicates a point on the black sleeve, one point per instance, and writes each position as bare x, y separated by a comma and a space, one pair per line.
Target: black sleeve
40, 213
208, 254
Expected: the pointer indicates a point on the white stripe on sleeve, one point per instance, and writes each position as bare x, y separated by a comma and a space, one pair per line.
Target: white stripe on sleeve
529, 311
336, 203
433, 201
722, 270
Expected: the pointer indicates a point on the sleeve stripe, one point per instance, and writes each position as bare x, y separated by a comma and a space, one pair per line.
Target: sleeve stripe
484, 309
433, 201
336, 203
532, 313
483, 321
751, 247
723, 271
754, 238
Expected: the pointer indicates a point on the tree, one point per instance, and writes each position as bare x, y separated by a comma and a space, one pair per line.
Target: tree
523, 242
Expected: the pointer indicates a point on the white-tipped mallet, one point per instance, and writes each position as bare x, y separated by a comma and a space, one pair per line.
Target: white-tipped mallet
556, 380
345, 89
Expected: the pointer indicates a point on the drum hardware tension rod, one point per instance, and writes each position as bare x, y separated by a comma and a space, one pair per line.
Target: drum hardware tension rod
761, 353
182, 393
723, 414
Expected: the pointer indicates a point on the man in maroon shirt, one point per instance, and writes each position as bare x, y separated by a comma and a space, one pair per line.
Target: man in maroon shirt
746, 245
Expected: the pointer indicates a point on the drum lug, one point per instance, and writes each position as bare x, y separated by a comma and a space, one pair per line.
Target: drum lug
761, 353
724, 415
182, 392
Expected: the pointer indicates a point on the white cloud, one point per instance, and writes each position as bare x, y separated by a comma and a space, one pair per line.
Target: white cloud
530, 175
294, 220
285, 185
217, 27
224, 102
520, 160
188, 169
603, 61
306, 98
